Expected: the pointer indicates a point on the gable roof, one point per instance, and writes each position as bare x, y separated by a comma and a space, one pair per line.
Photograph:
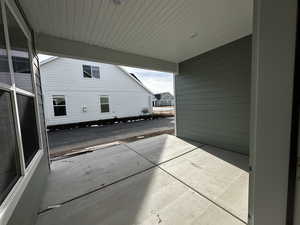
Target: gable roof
133, 77
130, 75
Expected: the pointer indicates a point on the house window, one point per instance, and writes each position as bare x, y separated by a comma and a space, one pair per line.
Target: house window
25, 96
104, 103
19, 133
91, 71
28, 124
9, 162
59, 106
20, 55
9, 165
87, 71
96, 72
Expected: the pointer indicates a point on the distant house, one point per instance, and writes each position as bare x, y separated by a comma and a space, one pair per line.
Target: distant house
164, 99
78, 91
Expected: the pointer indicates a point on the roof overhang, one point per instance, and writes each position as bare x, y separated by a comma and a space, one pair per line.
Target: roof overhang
50, 45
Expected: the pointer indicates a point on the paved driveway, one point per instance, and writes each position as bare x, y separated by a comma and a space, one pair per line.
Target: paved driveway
64, 140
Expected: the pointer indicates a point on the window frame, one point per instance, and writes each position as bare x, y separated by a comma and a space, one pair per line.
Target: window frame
108, 103
16, 152
11, 200
6, 6
65, 105
92, 74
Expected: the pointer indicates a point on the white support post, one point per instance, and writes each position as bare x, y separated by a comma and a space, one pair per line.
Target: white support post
274, 37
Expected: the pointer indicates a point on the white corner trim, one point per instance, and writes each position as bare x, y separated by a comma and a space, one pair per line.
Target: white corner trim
175, 103
8, 206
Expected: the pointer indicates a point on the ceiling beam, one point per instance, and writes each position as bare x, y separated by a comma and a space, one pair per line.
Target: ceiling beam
51, 45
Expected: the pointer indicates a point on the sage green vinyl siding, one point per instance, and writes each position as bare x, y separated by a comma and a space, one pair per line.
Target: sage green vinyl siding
213, 97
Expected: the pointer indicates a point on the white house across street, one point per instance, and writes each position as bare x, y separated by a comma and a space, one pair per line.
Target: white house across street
77, 91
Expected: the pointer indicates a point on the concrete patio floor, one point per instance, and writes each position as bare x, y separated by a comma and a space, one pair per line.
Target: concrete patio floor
159, 180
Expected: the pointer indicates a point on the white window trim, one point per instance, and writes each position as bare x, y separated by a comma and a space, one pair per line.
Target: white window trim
24, 92
92, 77
59, 96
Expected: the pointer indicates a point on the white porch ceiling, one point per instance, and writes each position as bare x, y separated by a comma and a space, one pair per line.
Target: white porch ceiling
160, 29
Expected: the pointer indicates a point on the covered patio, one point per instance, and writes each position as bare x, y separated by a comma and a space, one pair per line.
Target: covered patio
158, 180
235, 94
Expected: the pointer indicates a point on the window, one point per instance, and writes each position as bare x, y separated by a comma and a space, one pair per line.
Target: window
87, 71
91, 71
104, 104
20, 54
9, 160
17, 106
30, 138
9, 164
59, 106
5, 76
23, 80
95, 72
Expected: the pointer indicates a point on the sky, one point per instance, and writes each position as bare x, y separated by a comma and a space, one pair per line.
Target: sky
155, 81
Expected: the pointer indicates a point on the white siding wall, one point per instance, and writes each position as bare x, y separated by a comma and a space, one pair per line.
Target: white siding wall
64, 76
